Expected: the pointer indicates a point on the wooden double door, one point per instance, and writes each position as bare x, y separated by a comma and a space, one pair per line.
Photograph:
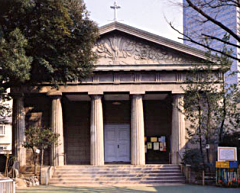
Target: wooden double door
117, 143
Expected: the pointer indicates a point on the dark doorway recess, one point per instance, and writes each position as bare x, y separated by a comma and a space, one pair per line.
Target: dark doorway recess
157, 120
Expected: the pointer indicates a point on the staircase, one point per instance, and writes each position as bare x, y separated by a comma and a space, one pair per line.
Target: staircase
117, 175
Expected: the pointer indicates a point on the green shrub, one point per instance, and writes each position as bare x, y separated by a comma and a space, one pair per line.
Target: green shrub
193, 157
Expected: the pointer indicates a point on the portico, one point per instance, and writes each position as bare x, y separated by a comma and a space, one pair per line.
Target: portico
134, 94
117, 128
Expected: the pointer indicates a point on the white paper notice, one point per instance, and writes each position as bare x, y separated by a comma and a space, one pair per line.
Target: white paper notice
156, 146
227, 154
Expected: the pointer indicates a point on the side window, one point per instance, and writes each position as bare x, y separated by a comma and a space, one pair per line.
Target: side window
2, 130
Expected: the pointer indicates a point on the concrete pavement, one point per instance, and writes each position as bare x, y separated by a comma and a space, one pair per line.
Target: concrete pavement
131, 189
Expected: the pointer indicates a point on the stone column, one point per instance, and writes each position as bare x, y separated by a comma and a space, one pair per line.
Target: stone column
18, 136
57, 152
97, 140
178, 130
137, 131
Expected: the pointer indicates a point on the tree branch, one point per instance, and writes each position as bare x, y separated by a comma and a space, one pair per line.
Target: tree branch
190, 3
221, 40
203, 45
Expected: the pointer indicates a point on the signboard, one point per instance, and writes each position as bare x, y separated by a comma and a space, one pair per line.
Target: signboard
227, 154
153, 139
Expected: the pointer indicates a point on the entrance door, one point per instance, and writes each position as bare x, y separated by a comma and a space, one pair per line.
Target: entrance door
117, 143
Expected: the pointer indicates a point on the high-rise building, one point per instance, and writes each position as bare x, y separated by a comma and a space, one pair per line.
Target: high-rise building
195, 25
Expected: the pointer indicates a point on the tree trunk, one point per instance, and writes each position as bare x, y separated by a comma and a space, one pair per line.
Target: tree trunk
224, 113
223, 120
41, 164
35, 162
208, 126
42, 155
200, 130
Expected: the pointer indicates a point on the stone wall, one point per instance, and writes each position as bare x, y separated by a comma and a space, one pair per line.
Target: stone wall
76, 119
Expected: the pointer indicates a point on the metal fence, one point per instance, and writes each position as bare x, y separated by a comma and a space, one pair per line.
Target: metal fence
7, 186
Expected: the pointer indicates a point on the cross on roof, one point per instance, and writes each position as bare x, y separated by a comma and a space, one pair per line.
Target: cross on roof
115, 7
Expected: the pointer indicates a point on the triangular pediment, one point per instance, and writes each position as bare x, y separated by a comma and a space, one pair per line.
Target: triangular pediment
120, 44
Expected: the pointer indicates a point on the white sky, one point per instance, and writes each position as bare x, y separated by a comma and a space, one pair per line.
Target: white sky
148, 15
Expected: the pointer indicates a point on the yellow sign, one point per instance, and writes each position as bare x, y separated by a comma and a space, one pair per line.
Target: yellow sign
154, 139
222, 164
149, 145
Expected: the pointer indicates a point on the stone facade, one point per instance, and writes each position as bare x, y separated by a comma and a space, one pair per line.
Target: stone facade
137, 78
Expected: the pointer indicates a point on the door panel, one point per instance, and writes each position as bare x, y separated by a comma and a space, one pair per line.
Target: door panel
123, 154
124, 134
117, 143
110, 147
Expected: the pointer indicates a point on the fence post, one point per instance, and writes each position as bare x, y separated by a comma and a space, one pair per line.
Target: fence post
188, 173
13, 186
7, 186
203, 177
177, 157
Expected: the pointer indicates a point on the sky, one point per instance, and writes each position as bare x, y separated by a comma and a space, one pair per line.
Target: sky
149, 15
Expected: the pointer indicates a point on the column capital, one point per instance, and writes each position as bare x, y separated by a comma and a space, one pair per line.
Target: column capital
178, 95
17, 95
98, 96
137, 95
178, 100
54, 94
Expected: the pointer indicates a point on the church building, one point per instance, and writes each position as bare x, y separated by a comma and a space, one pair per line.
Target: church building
127, 112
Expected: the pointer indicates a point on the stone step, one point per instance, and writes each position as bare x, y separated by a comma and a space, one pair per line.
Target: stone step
76, 182
118, 165
114, 166
116, 172
120, 168
119, 179
112, 169
116, 175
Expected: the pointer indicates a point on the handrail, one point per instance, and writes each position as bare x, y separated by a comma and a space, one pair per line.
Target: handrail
180, 156
177, 154
5, 180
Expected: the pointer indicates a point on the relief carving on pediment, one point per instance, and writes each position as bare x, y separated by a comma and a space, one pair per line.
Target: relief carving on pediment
121, 50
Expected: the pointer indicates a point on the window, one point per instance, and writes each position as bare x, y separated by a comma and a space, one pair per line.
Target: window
3, 148
2, 130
